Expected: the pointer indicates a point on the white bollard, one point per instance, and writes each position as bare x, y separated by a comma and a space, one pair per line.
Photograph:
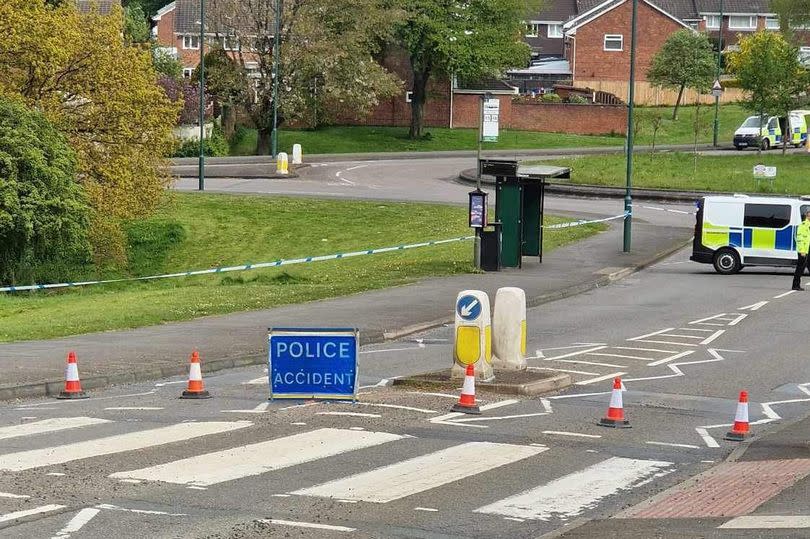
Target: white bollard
298, 155
473, 336
282, 164
509, 329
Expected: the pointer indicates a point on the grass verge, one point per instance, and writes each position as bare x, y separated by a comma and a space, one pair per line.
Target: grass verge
196, 231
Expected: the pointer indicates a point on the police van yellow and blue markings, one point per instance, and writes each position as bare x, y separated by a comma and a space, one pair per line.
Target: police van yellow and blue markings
748, 238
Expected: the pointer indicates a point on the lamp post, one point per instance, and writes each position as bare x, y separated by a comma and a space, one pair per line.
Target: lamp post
628, 197
276, 56
201, 97
717, 80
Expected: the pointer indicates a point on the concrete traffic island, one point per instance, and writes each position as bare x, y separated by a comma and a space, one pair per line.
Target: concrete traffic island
528, 382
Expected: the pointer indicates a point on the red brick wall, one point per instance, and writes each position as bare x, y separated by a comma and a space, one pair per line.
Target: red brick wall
592, 62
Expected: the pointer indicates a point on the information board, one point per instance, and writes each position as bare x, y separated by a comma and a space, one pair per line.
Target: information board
491, 111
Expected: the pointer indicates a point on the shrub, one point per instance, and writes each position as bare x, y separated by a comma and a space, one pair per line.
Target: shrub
214, 146
578, 99
43, 211
551, 98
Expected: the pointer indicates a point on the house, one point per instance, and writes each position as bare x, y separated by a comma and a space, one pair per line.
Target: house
544, 32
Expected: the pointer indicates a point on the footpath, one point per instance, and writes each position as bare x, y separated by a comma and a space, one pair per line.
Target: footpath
36, 368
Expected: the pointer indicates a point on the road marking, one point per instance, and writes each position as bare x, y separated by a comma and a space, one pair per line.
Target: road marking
259, 409
262, 380
577, 353
497, 418
579, 434
134, 408
753, 307
574, 493
714, 352
669, 342
707, 439
9, 517
499, 404
73, 401
767, 522
397, 407
418, 347
426, 509
737, 320
76, 523
619, 355
306, 525
555, 397
255, 459
681, 336
423, 473
654, 333
713, 336
600, 378
49, 425
576, 345
704, 320
349, 414
39, 458
593, 363
646, 349
670, 358
561, 370
139, 511
546, 405
789, 292
687, 446
9, 495
446, 395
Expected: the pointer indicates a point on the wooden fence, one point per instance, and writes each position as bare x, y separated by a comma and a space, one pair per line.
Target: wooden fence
650, 95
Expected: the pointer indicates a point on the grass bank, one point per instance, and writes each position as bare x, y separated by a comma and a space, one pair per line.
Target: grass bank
197, 231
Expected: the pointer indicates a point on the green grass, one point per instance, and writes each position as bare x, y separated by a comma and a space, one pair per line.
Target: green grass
682, 130
197, 231
677, 171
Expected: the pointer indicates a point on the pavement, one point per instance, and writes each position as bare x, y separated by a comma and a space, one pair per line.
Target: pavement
35, 368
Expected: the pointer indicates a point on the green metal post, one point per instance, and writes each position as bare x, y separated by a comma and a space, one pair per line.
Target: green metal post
201, 181
276, 56
628, 197
719, 60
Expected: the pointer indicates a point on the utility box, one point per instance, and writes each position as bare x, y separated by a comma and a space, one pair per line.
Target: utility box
519, 197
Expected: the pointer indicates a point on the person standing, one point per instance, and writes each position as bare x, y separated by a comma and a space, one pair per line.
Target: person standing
802, 247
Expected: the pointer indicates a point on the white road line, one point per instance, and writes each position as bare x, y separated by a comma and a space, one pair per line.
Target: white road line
576, 345
306, 525
9, 517
397, 407
645, 349
600, 378
678, 336
789, 292
803, 388
595, 363
262, 380
255, 459
497, 418
670, 358
349, 414
76, 523
446, 395
546, 405
423, 473
574, 493
499, 404
577, 434
561, 370
767, 522
578, 395
669, 342
134, 408
687, 446
703, 320
49, 425
707, 439
619, 355
577, 353
737, 320
69, 401
430, 509
712, 337
9, 495
138, 511
654, 333
753, 307
38, 458
419, 347
696, 329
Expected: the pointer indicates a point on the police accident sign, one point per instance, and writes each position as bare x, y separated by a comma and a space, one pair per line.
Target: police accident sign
313, 363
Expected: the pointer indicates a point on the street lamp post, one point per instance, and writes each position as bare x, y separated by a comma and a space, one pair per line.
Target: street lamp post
276, 56
628, 197
201, 97
717, 81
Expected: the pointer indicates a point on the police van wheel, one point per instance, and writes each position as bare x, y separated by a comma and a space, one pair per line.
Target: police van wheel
727, 262
765, 144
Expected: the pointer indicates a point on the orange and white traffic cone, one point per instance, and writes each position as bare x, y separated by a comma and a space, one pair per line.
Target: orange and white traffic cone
73, 386
466, 403
615, 414
739, 431
195, 388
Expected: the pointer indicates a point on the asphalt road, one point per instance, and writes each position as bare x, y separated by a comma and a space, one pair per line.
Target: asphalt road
136, 461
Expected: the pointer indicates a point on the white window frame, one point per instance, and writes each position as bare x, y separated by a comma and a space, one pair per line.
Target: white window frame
772, 23
188, 42
558, 34
230, 43
188, 72
752, 22
613, 37
532, 29
713, 22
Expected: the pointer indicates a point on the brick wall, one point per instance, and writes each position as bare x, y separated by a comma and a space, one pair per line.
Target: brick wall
590, 60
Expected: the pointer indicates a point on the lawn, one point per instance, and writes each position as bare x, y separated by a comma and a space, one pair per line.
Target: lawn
680, 171
198, 231
395, 139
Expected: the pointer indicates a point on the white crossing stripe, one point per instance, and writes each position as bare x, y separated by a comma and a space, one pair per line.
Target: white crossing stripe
423, 473
77, 523
38, 458
48, 425
9, 517
574, 493
306, 525
255, 459
767, 522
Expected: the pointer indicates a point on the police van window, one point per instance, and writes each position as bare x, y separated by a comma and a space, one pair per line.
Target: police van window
802, 211
772, 124
767, 215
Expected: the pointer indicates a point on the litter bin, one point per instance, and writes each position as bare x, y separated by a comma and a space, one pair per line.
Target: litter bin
491, 247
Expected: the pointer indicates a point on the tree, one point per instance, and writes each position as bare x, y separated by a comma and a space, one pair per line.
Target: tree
227, 82
686, 60
43, 211
768, 67
136, 27
101, 94
791, 14
165, 64
470, 39
332, 41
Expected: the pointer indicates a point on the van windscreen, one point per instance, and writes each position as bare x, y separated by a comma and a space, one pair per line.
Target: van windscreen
752, 121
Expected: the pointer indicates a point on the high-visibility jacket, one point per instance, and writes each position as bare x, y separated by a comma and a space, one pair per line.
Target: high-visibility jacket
803, 237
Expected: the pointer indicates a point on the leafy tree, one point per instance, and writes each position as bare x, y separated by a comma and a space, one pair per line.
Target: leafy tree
165, 64
331, 41
102, 95
227, 82
43, 211
470, 39
136, 27
791, 13
686, 60
768, 67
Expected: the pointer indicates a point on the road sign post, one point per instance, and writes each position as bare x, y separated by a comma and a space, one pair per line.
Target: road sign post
473, 336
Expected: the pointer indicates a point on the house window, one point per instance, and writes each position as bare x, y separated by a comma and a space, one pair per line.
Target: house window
766, 215
191, 42
555, 31
532, 29
230, 43
742, 22
188, 72
614, 42
713, 21
772, 23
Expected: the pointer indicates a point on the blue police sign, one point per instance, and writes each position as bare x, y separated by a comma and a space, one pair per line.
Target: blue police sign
468, 308
309, 363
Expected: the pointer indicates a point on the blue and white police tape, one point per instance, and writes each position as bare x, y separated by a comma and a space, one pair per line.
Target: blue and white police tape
584, 222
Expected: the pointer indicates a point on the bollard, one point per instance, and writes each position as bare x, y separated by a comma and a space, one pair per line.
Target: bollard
472, 336
298, 156
509, 329
282, 164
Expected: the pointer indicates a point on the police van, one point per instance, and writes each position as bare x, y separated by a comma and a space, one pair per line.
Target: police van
772, 131
736, 231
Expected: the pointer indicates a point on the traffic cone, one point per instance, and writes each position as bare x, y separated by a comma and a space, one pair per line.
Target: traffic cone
739, 431
195, 389
615, 414
466, 403
73, 386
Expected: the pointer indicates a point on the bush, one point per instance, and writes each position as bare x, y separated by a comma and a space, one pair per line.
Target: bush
214, 146
551, 98
577, 99
43, 211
